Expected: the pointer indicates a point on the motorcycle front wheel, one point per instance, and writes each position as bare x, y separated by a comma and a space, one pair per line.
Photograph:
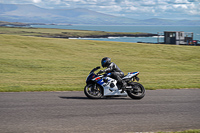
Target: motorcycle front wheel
93, 91
137, 91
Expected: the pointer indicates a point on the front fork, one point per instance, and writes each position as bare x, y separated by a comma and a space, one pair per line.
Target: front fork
94, 87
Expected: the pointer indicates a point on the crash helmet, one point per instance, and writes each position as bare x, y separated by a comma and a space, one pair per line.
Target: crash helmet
105, 62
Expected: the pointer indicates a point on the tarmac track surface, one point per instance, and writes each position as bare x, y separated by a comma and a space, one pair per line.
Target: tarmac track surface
71, 112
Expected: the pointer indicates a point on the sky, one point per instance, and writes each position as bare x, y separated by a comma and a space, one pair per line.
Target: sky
135, 9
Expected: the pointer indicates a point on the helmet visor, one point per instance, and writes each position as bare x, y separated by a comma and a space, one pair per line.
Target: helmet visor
103, 63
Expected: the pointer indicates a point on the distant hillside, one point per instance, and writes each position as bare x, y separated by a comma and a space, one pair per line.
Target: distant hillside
28, 13
3, 23
32, 14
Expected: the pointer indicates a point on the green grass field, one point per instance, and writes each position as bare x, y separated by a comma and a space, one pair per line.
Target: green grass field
50, 64
186, 131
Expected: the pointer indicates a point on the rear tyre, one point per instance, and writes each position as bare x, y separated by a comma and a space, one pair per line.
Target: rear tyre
93, 91
137, 91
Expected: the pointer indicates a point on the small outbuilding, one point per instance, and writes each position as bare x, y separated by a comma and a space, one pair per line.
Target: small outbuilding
177, 37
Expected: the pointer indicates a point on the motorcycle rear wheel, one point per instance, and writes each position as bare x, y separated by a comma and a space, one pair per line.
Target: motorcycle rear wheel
93, 91
137, 91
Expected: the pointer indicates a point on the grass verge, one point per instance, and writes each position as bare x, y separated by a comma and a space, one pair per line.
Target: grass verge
51, 64
186, 131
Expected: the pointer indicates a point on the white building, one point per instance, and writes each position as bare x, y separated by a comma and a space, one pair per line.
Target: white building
177, 37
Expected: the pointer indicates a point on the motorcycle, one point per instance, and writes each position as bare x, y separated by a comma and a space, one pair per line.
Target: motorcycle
100, 86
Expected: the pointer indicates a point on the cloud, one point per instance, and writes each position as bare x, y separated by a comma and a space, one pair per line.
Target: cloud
181, 1
180, 6
36, 1
113, 8
140, 9
148, 3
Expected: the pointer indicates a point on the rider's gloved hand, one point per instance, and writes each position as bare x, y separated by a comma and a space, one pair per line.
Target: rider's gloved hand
101, 71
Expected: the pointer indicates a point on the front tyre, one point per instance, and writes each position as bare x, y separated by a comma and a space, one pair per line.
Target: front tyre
137, 91
93, 91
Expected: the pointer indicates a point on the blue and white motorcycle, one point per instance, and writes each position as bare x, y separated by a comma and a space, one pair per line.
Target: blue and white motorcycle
100, 86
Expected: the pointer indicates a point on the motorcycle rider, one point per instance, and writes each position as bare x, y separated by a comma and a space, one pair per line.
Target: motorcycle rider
115, 71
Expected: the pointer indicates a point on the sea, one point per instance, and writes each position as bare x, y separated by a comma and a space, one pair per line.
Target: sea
129, 28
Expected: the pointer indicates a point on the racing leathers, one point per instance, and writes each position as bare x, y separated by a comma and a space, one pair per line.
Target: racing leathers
116, 73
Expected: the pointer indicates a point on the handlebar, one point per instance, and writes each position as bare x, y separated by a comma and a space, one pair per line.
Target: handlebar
101, 71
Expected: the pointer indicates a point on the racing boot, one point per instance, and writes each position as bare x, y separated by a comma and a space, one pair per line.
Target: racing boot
124, 84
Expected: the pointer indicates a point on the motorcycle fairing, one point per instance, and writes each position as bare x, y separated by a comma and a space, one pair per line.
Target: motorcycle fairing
130, 75
90, 76
108, 90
